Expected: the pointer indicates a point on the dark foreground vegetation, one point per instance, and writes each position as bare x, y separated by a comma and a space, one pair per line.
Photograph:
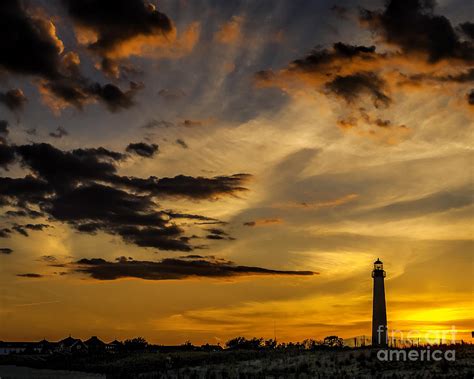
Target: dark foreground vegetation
244, 358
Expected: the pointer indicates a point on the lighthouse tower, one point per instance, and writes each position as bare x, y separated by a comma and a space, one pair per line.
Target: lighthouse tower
379, 311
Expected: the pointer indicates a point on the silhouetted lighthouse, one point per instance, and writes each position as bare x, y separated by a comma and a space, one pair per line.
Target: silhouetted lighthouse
379, 312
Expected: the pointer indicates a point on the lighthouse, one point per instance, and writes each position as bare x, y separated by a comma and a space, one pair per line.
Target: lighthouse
379, 311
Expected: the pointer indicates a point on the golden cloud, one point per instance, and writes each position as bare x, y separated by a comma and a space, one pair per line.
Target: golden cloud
230, 32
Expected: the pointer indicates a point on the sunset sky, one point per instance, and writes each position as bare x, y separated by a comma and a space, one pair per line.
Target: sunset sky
200, 170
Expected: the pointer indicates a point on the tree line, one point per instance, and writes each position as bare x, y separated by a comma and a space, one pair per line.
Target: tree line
239, 343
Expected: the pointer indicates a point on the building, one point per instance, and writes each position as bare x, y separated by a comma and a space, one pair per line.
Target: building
45, 347
71, 345
7, 348
41, 347
379, 310
95, 345
114, 346
67, 345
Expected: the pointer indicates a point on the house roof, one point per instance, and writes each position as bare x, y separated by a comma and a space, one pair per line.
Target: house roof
94, 341
69, 341
45, 343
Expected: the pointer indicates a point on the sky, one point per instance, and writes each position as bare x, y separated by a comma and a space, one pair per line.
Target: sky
201, 170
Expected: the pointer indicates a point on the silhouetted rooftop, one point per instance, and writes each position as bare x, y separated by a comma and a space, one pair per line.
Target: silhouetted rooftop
69, 341
94, 341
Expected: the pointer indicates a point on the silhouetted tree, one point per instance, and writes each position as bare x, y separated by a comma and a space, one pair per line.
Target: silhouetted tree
333, 341
244, 343
310, 344
188, 346
135, 344
270, 344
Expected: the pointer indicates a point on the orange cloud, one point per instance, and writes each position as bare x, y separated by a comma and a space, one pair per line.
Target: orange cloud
56, 103
169, 45
366, 124
230, 32
339, 71
49, 29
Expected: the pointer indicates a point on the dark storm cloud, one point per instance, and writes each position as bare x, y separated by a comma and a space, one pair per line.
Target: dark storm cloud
7, 155
342, 69
20, 230
116, 22
25, 213
13, 99
470, 97
168, 268
413, 26
97, 202
78, 91
218, 234
36, 226
30, 275
113, 97
81, 188
467, 28
187, 186
215, 237
4, 131
100, 153
143, 149
466, 76
4, 128
5, 233
167, 237
23, 191
351, 87
64, 168
216, 231
70, 91
323, 59
61, 168
191, 217
5, 250
60, 132
182, 143
29, 46
461, 77
23, 229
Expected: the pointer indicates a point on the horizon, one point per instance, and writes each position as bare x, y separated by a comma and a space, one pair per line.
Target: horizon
197, 171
